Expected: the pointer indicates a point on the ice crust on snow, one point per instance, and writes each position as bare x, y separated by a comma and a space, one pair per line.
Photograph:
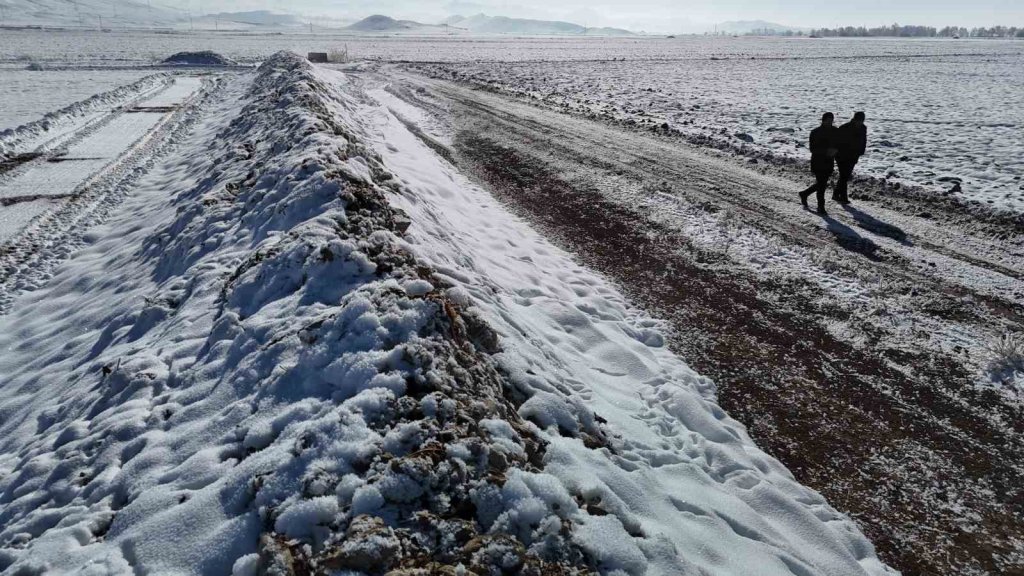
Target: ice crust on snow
253, 370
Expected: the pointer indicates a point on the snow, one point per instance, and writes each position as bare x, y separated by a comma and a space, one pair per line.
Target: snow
52, 129
574, 345
14, 217
28, 95
251, 351
87, 13
80, 157
936, 124
177, 93
121, 47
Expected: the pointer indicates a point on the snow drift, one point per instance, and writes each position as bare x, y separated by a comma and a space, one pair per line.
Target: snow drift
256, 374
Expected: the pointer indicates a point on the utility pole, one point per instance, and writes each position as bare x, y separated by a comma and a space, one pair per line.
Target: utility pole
78, 13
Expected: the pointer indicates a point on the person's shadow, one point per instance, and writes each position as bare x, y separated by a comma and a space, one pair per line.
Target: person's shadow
849, 239
872, 224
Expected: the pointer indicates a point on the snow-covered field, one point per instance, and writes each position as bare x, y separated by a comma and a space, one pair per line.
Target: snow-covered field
120, 47
935, 120
254, 364
26, 95
276, 318
941, 112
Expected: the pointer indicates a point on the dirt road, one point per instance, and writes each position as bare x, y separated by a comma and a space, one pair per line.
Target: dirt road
853, 346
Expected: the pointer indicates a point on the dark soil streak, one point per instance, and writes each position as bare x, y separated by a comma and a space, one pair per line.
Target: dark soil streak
10, 163
12, 200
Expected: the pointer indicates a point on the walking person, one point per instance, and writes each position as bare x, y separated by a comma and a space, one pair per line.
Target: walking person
853, 142
824, 146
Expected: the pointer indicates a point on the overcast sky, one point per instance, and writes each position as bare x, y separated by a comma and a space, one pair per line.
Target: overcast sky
664, 15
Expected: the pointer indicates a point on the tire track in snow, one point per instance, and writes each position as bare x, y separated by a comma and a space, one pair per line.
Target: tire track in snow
131, 144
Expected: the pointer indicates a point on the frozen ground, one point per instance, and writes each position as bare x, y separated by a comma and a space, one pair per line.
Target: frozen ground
27, 95
262, 360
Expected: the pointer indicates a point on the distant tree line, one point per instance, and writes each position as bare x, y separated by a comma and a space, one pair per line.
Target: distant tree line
919, 32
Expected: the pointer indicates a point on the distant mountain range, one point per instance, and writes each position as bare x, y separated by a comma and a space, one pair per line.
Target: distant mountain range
258, 18
748, 26
482, 24
85, 13
133, 14
142, 14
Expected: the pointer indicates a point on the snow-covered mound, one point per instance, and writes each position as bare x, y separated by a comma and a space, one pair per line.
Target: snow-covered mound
201, 58
251, 372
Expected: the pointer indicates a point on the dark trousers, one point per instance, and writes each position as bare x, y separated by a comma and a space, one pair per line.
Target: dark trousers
845, 173
820, 185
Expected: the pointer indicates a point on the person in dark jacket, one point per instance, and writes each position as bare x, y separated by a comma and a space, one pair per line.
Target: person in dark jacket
853, 142
824, 145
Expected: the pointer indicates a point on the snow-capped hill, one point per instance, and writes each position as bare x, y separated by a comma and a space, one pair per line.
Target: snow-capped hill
483, 24
96, 14
747, 26
381, 23
89, 13
258, 18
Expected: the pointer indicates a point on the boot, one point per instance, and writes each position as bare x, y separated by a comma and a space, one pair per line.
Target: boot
804, 195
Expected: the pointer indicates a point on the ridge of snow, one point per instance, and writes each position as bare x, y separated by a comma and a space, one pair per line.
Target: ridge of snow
255, 357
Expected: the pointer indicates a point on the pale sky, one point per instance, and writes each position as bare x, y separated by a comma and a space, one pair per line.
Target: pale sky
662, 15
